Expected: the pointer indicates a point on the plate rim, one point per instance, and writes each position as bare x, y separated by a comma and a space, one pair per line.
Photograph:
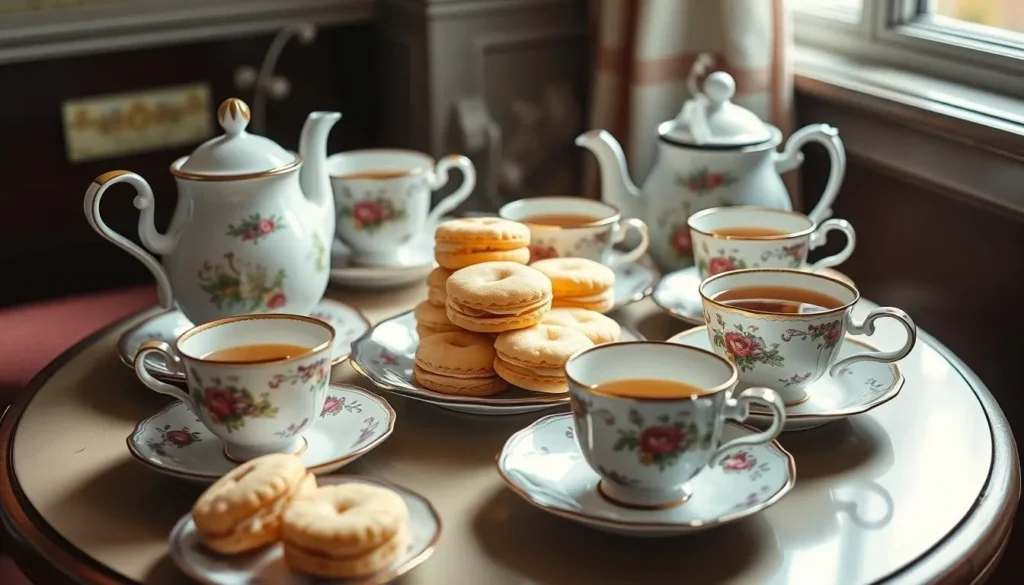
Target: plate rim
665, 279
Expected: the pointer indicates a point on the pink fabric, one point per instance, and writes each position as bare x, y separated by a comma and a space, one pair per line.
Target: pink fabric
32, 335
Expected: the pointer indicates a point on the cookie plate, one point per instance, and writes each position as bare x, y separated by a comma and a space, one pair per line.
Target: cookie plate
385, 356
268, 566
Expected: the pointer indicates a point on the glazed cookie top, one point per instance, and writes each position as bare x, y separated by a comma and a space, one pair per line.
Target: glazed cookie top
576, 276
457, 354
246, 490
438, 277
483, 233
498, 285
347, 518
597, 327
541, 346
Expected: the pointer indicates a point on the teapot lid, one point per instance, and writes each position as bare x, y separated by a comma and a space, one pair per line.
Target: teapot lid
236, 154
710, 119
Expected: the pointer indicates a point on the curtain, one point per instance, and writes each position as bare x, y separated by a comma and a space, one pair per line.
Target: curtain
646, 48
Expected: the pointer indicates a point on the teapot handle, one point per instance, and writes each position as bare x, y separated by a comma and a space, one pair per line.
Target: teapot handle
144, 202
791, 157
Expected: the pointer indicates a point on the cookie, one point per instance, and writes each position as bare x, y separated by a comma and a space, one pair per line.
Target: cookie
345, 530
576, 277
497, 296
457, 363
534, 358
601, 303
436, 280
459, 243
594, 325
431, 320
241, 511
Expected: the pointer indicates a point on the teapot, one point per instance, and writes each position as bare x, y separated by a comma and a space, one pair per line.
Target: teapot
714, 153
253, 228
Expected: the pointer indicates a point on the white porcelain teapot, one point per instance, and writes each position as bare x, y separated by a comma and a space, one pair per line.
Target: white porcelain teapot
713, 153
253, 228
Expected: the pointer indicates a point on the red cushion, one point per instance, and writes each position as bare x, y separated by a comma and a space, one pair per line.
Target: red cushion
32, 335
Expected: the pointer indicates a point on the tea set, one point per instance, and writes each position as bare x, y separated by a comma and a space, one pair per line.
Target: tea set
259, 231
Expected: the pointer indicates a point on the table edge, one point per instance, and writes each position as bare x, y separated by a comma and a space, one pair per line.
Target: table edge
968, 538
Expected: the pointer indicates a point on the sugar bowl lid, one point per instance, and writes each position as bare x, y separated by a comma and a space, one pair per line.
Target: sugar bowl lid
236, 154
710, 119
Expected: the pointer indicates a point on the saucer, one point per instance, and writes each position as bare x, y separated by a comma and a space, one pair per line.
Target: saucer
174, 441
634, 281
543, 464
859, 388
385, 356
347, 321
267, 565
414, 262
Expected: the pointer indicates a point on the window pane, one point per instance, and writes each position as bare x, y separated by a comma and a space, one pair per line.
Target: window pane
1000, 14
849, 10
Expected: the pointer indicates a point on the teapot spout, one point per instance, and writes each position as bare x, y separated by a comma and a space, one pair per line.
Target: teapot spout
617, 188
316, 185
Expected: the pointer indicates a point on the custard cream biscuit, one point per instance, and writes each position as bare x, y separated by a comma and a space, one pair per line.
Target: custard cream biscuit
599, 328
459, 243
534, 358
431, 320
576, 277
436, 280
601, 303
458, 363
497, 296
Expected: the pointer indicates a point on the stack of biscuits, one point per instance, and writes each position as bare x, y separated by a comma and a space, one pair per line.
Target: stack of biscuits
334, 531
488, 319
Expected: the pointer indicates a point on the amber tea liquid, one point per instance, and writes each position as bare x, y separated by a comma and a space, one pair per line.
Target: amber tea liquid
256, 352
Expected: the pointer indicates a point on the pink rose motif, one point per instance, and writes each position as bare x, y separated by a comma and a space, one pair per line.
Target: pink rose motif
332, 404
712, 180
720, 264
739, 345
265, 226
540, 252
661, 440
219, 402
368, 212
833, 333
681, 242
276, 300
179, 438
739, 462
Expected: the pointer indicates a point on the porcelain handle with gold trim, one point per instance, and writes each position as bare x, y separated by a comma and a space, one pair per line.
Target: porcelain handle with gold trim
174, 364
155, 241
818, 239
738, 409
440, 179
620, 234
867, 327
791, 157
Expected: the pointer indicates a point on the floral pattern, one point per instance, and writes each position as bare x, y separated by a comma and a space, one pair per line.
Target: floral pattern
178, 438
318, 372
745, 348
661, 442
386, 358
794, 379
741, 461
335, 404
236, 285
542, 252
794, 255
369, 428
230, 405
371, 214
255, 227
721, 261
293, 429
704, 180
616, 477
826, 334
319, 254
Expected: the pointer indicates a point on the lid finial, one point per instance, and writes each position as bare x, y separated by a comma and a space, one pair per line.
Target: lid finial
233, 116
719, 87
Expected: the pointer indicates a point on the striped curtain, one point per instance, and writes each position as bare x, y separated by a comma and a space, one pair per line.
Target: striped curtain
645, 49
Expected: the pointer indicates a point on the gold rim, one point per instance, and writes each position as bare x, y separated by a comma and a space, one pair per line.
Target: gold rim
733, 378
431, 163
189, 176
775, 314
616, 216
257, 317
752, 208
579, 516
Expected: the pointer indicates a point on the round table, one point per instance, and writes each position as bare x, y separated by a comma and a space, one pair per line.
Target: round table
920, 490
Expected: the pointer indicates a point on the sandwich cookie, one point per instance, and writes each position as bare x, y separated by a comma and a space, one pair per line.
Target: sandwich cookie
534, 358
457, 363
464, 242
497, 296
345, 530
599, 328
431, 320
242, 510
435, 286
580, 283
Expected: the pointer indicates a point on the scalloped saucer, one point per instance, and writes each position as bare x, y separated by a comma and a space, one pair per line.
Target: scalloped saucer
415, 261
634, 281
543, 464
174, 441
347, 321
859, 388
385, 355
267, 565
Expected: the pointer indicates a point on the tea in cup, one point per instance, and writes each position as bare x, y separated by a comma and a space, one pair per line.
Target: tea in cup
575, 227
734, 238
382, 198
649, 415
783, 328
256, 381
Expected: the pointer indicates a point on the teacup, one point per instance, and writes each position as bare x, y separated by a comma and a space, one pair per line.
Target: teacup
576, 227
646, 450
734, 238
255, 406
382, 198
785, 350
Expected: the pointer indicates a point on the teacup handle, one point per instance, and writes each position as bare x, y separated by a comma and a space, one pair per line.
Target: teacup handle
621, 228
440, 179
173, 363
791, 157
739, 408
820, 235
868, 328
